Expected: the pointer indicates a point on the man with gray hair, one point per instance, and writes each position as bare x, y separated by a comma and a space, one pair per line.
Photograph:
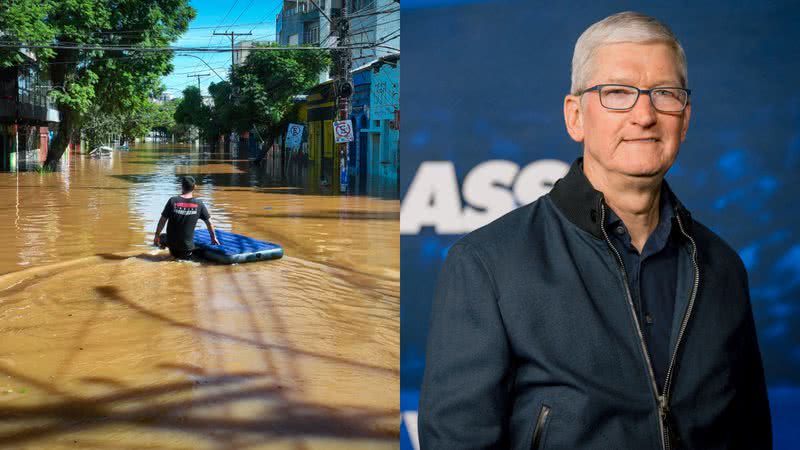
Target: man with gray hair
601, 316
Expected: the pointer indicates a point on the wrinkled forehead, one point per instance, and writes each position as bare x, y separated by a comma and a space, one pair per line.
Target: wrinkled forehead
642, 65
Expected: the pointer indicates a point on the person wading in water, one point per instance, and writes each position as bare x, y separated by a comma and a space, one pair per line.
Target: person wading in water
180, 214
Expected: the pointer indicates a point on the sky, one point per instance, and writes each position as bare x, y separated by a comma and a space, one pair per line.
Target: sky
240, 16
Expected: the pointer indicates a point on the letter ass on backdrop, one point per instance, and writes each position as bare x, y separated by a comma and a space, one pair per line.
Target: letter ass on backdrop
490, 190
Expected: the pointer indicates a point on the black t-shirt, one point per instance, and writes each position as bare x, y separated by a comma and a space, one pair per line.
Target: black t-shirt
182, 214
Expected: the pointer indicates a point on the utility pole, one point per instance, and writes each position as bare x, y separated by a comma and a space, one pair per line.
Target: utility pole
233, 93
344, 86
233, 35
198, 75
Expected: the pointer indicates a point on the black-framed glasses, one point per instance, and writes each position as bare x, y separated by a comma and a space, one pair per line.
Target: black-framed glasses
621, 97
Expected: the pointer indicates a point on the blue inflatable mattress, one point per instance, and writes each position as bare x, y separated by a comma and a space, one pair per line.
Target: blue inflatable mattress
234, 248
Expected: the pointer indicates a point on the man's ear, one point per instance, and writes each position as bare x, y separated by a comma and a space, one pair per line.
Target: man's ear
687, 114
573, 118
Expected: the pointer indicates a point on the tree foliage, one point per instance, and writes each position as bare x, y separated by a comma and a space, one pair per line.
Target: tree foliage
192, 111
258, 95
89, 81
24, 21
150, 115
265, 83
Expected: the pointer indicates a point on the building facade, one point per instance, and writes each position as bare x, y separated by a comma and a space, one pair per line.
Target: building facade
27, 114
383, 128
374, 29
300, 23
372, 158
243, 49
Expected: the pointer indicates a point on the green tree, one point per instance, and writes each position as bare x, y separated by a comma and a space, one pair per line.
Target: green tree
265, 83
116, 81
163, 118
192, 111
260, 94
223, 109
99, 128
146, 116
24, 21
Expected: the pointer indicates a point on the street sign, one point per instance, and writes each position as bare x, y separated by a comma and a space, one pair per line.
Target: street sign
294, 136
343, 131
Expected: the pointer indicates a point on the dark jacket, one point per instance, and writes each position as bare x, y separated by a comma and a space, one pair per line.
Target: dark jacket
534, 343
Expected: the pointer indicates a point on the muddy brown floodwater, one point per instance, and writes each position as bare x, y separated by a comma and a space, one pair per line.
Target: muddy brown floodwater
107, 343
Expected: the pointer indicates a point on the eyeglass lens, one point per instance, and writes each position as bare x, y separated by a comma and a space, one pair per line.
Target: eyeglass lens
624, 97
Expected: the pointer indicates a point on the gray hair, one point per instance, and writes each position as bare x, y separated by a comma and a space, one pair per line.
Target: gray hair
628, 27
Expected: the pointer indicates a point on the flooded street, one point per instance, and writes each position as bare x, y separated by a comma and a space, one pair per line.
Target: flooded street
108, 343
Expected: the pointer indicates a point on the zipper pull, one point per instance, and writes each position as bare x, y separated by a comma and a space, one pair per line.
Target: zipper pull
663, 406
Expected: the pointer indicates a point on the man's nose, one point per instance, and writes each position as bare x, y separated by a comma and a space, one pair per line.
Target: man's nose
643, 112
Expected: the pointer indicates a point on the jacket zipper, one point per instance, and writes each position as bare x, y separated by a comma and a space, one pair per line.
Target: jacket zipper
537, 431
662, 399
684, 324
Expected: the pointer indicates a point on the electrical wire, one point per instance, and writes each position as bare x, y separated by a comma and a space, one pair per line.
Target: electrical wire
165, 49
243, 11
226, 16
278, 4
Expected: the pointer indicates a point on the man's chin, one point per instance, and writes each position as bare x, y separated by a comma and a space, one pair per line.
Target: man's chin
645, 174
643, 168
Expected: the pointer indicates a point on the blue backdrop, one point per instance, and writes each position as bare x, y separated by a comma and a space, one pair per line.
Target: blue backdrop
485, 81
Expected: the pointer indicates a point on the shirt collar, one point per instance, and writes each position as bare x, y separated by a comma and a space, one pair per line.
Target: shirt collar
658, 239
582, 205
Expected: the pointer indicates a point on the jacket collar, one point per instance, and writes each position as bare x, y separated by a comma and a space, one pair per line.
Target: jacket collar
575, 197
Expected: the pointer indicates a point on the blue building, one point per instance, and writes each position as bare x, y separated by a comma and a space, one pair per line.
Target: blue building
373, 156
358, 149
382, 132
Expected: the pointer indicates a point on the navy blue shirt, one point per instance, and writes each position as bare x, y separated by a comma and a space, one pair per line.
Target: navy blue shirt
652, 279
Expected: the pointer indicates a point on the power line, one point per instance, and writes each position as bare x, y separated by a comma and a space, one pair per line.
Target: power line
278, 4
169, 49
181, 85
387, 47
187, 29
225, 17
332, 32
243, 11
371, 26
388, 37
374, 13
207, 65
233, 38
198, 75
322, 11
39, 63
150, 30
192, 71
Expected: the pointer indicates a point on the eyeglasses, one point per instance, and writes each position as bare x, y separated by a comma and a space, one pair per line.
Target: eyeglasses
621, 97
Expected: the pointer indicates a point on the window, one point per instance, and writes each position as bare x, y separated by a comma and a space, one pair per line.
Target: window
311, 33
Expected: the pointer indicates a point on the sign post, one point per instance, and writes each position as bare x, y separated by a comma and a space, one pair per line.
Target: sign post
342, 134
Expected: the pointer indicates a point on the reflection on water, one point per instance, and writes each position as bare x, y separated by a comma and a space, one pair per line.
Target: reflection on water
106, 342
